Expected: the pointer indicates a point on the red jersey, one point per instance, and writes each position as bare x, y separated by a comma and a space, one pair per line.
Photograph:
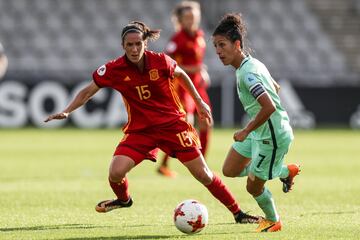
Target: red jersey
149, 96
189, 50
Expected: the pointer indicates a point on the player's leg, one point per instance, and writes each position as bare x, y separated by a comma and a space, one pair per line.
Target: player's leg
238, 160
266, 164
125, 158
119, 167
256, 187
235, 164
163, 169
181, 141
199, 169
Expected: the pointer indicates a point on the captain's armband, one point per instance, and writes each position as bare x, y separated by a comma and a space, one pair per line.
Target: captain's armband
257, 90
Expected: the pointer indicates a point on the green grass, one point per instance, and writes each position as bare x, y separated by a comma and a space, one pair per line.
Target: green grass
50, 181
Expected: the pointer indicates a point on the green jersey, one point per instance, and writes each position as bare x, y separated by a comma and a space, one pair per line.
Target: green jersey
252, 80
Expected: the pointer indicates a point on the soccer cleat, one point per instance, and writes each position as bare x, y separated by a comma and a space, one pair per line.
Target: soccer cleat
244, 218
269, 226
108, 205
165, 171
294, 170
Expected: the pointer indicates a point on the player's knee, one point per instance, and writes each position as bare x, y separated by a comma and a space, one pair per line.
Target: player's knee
115, 178
250, 188
228, 172
253, 190
115, 175
204, 177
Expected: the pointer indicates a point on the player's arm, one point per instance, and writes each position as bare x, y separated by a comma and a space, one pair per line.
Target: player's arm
253, 83
185, 81
80, 99
267, 108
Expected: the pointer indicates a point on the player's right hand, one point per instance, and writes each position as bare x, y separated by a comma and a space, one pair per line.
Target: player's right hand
240, 135
58, 116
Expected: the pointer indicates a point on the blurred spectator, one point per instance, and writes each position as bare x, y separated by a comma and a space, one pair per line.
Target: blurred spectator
187, 47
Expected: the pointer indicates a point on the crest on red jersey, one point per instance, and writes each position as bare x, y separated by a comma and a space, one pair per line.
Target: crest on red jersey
101, 70
154, 74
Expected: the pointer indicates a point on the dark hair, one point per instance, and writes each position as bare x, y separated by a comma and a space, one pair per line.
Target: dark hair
232, 26
180, 9
140, 27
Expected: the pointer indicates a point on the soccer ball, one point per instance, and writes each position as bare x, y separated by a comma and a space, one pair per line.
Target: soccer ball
190, 216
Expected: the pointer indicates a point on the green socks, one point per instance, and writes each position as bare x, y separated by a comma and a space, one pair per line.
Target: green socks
284, 172
267, 204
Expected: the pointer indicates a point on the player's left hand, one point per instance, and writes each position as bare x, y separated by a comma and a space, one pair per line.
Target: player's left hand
240, 135
204, 112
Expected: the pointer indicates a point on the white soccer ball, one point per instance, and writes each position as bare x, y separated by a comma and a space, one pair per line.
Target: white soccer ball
190, 216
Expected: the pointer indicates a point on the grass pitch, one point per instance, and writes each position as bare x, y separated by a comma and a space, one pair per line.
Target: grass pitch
51, 180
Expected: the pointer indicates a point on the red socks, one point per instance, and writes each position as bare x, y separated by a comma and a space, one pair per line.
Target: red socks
222, 193
216, 187
121, 189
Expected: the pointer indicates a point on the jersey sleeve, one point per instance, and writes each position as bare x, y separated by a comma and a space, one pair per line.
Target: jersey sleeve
170, 65
254, 85
101, 76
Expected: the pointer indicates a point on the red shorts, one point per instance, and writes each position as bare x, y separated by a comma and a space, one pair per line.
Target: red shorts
178, 140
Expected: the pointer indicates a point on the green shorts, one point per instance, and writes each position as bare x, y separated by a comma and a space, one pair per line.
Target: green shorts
266, 159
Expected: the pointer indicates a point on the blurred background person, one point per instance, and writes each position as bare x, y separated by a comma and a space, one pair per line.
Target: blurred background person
187, 47
3, 61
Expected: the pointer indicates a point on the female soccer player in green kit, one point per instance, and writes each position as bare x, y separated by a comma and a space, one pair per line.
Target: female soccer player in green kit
259, 147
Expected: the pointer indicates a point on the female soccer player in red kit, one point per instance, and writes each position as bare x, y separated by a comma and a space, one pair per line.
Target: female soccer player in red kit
187, 47
145, 80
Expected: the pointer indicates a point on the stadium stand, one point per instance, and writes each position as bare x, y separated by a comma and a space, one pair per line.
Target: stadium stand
289, 39
341, 20
68, 39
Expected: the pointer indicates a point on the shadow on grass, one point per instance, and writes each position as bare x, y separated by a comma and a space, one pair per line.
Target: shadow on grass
49, 227
226, 223
88, 226
329, 213
125, 237
145, 236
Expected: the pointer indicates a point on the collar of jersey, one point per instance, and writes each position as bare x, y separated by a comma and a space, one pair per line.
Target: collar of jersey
127, 63
247, 58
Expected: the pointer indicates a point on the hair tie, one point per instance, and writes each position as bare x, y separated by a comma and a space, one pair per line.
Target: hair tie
133, 29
